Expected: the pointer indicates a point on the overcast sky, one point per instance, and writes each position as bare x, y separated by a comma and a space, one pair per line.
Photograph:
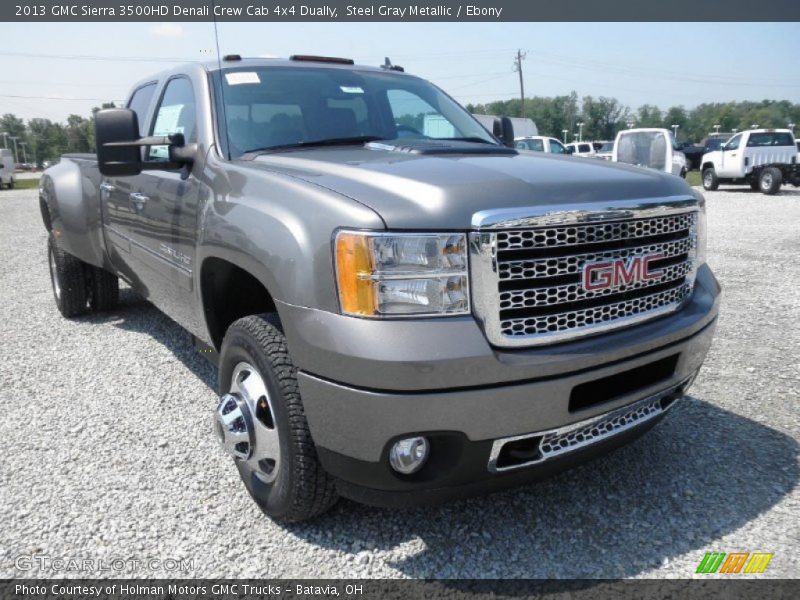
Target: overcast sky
51, 70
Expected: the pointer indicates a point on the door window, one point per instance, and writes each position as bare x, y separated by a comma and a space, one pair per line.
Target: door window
176, 114
534, 145
557, 147
140, 104
733, 143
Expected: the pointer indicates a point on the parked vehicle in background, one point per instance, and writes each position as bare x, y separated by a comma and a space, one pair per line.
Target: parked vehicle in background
713, 141
605, 151
396, 319
693, 153
798, 148
650, 147
540, 143
522, 127
764, 159
7, 169
584, 149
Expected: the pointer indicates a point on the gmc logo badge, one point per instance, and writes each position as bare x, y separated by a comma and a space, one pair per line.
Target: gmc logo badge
615, 273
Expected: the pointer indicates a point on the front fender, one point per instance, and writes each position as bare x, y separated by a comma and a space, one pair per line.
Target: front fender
280, 230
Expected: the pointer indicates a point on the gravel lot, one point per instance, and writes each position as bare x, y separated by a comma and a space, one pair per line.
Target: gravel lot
108, 451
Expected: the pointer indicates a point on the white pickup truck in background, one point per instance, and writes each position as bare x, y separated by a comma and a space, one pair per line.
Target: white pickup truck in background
763, 158
6, 168
581, 149
650, 147
540, 143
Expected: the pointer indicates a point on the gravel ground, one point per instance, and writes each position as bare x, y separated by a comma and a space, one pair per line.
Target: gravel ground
109, 452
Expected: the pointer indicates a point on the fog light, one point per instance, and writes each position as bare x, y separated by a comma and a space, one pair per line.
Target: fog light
407, 456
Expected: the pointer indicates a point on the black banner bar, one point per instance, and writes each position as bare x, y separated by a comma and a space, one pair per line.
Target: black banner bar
729, 588
399, 10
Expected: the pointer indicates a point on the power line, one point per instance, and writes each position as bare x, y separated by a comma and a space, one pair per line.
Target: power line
94, 57
54, 98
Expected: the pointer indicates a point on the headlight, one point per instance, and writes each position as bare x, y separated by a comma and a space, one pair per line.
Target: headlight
701, 234
402, 274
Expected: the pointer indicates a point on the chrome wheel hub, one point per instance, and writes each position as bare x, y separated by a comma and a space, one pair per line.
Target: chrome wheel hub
245, 423
766, 181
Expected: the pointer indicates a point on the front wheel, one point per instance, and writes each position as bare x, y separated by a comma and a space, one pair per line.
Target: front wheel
710, 180
770, 180
261, 423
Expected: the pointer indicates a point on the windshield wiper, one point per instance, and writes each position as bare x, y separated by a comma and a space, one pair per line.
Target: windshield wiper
344, 141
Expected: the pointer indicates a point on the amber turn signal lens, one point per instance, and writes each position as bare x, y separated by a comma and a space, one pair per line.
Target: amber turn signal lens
353, 271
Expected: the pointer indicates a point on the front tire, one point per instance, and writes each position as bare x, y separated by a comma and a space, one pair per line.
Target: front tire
282, 472
68, 278
770, 180
710, 179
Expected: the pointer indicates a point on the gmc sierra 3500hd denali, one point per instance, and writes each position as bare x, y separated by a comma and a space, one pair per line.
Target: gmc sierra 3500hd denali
396, 318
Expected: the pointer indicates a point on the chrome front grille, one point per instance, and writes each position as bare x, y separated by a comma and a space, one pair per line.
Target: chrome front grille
575, 235
528, 283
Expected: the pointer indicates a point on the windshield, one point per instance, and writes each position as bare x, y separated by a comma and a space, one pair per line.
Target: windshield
643, 148
271, 108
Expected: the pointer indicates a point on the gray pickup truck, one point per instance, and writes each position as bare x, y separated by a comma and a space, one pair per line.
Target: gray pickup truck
402, 307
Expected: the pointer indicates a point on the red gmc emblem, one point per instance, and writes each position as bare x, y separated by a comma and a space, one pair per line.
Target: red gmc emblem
615, 273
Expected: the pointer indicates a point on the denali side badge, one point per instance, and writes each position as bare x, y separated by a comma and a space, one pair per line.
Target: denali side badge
615, 273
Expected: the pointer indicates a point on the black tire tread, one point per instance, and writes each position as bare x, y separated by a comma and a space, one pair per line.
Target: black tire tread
314, 489
104, 289
777, 181
71, 275
714, 182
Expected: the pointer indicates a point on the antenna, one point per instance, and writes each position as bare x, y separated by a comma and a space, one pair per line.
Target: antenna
221, 83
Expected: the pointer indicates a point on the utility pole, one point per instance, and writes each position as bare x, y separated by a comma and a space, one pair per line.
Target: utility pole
580, 131
675, 132
5, 140
564, 136
518, 68
716, 128
24, 151
791, 126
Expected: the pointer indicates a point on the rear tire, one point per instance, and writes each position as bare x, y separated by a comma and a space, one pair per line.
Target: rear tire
296, 487
103, 289
710, 180
770, 180
67, 276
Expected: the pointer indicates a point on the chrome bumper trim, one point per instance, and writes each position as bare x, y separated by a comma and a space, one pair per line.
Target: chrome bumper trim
567, 439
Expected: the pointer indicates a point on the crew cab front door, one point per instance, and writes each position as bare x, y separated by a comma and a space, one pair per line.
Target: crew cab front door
163, 237
119, 211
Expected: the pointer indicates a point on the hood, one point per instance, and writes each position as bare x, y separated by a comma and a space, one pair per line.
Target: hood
429, 191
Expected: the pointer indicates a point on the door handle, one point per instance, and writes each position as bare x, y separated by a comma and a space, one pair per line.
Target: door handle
107, 187
138, 199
